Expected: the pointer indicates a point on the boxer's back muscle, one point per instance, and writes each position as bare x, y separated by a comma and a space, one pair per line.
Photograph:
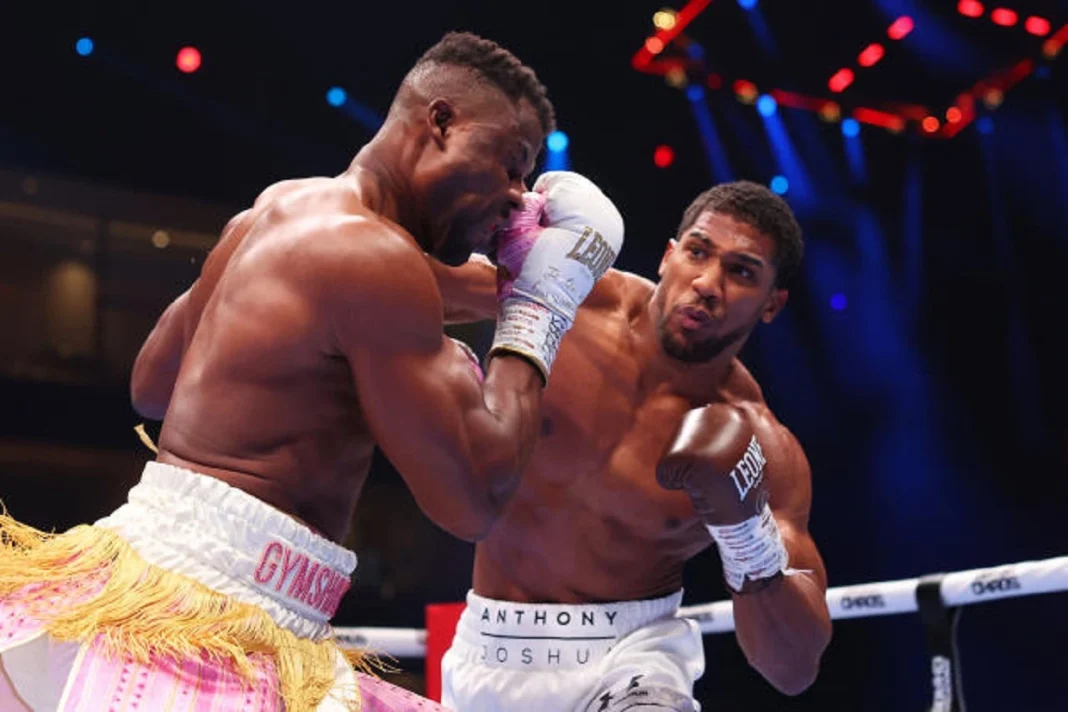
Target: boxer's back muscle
589, 521
261, 401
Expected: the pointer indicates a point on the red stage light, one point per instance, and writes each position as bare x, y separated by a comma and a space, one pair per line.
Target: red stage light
871, 54
746, 90
841, 79
663, 156
954, 115
1004, 17
1038, 26
655, 45
930, 124
970, 8
188, 59
901, 27
878, 118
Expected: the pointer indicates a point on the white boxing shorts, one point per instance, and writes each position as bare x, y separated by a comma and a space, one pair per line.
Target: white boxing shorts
605, 657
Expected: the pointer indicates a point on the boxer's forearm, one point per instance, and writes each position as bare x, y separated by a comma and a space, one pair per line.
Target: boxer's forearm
783, 630
469, 292
513, 393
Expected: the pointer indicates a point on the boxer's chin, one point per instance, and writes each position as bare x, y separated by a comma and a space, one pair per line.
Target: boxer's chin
678, 346
456, 247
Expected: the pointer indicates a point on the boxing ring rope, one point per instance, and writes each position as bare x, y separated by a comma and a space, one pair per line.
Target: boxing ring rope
938, 598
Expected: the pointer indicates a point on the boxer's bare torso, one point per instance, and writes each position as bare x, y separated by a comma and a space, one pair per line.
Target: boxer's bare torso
589, 521
265, 398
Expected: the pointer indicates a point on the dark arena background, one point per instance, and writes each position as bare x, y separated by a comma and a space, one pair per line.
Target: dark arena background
921, 362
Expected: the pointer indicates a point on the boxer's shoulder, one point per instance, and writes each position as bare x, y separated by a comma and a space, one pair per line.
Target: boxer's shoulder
742, 392
619, 291
277, 190
372, 275
741, 387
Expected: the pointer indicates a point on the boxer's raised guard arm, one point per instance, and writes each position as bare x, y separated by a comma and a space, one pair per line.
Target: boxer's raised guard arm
460, 445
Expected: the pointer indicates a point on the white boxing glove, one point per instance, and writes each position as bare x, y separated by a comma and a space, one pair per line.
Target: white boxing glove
554, 249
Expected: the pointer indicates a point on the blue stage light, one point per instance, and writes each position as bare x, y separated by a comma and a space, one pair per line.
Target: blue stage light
766, 105
336, 96
557, 141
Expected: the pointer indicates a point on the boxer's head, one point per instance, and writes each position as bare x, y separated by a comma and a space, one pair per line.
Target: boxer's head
736, 253
475, 118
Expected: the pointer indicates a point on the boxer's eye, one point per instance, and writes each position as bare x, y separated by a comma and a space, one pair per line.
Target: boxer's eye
743, 272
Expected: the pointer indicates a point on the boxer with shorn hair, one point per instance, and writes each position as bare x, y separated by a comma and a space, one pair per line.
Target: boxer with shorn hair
313, 335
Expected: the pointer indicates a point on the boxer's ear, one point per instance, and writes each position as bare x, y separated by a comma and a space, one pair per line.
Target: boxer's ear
440, 117
774, 304
668, 250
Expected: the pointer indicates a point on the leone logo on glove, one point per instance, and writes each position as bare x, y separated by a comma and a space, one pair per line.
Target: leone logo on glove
750, 469
597, 256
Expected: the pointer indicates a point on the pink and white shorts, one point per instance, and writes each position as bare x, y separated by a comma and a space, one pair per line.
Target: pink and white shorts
204, 529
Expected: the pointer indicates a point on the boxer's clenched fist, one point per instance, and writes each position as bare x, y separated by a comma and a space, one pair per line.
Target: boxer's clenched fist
716, 458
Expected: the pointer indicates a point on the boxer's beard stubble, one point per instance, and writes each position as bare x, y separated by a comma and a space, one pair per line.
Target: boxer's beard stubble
698, 351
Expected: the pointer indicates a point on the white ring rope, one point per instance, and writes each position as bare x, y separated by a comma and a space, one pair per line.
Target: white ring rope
961, 588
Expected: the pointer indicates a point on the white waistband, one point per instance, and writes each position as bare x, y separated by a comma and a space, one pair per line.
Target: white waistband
236, 544
539, 636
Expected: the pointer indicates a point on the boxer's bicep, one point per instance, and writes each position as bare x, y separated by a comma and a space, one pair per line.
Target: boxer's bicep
421, 397
423, 410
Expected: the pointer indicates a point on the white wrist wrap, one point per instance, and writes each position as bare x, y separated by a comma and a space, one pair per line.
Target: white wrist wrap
752, 549
530, 329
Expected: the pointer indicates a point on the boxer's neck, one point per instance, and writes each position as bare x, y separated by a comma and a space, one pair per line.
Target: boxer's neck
381, 172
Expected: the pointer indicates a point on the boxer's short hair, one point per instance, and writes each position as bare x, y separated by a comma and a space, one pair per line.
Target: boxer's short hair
499, 66
758, 207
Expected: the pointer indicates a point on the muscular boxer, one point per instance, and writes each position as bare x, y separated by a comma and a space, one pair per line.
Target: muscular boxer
313, 334
656, 443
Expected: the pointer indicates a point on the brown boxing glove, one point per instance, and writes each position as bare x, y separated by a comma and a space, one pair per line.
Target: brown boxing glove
717, 459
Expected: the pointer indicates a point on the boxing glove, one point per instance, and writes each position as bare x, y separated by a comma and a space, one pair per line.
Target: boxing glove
562, 240
716, 458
